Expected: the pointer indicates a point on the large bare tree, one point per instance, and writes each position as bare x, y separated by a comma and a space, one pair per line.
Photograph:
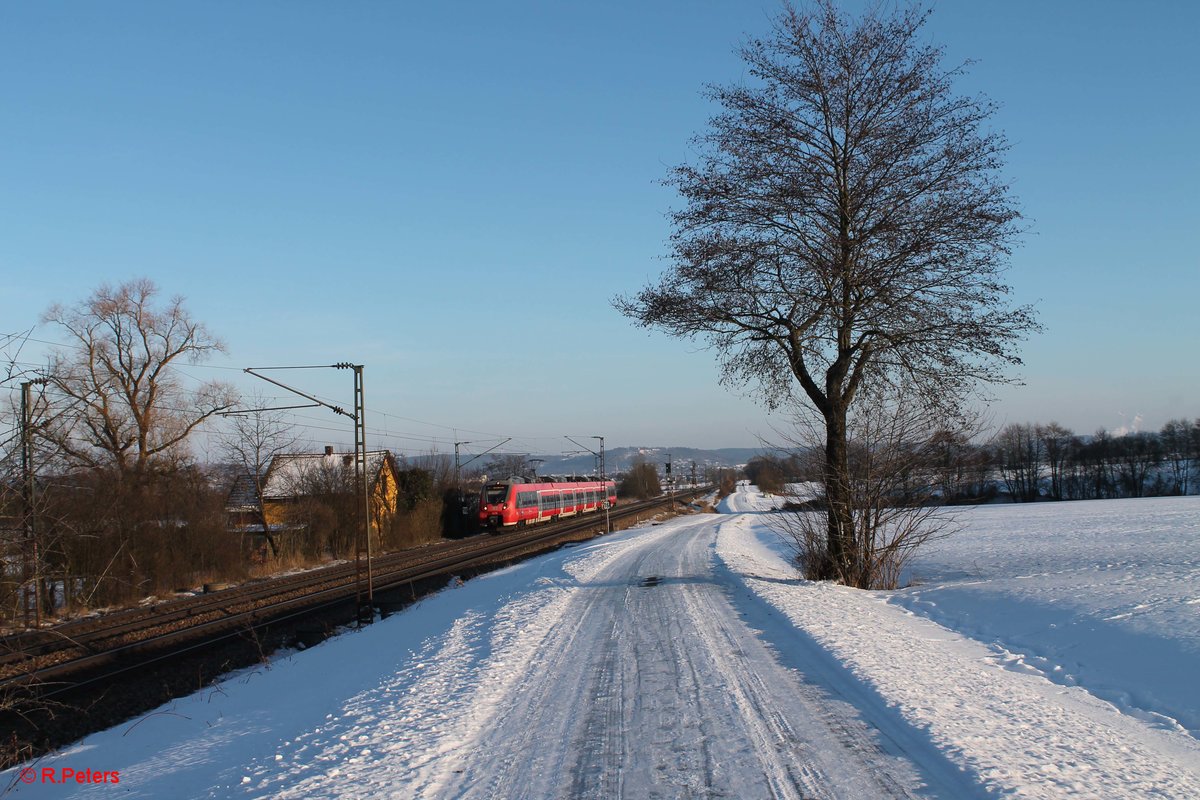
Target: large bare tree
844, 224
121, 404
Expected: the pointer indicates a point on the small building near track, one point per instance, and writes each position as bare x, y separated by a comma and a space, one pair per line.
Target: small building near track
299, 488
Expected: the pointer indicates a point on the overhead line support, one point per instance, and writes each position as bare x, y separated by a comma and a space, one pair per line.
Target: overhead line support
31, 573
363, 574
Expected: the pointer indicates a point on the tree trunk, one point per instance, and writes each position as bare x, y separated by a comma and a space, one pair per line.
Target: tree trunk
841, 556
270, 537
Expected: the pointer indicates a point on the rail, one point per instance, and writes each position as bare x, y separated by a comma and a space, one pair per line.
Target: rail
64, 657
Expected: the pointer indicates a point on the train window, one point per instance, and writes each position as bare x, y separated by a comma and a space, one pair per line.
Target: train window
496, 494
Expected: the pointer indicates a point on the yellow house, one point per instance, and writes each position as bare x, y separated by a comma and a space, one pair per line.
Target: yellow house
296, 477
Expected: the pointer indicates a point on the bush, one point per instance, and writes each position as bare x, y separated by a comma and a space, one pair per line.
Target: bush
640, 483
766, 473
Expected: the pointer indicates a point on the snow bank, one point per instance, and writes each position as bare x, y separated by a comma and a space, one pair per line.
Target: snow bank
1004, 713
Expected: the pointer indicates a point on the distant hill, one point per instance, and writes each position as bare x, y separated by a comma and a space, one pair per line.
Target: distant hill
620, 459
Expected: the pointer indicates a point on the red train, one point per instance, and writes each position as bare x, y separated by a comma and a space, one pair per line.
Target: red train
513, 502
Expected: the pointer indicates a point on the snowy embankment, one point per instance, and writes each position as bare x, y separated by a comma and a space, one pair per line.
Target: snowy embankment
686, 659
1103, 594
1014, 655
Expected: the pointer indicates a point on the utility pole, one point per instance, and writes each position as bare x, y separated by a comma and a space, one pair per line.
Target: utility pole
604, 487
362, 550
31, 573
462, 506
603, 480
457, 485
364, 580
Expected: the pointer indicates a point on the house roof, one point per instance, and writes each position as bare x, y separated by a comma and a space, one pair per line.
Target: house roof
289, 473
243, 495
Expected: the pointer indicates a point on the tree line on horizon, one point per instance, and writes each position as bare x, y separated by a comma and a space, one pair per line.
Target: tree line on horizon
1027, 462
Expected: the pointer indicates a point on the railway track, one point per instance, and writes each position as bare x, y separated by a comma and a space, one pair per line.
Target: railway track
64, 657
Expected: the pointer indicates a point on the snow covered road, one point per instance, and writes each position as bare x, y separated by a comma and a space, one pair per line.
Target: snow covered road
648, 684
631, 676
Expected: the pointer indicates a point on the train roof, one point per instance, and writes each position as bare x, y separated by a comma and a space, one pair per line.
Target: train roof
547, 481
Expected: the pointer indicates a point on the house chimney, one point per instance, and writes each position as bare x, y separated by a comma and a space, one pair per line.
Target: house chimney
328, 449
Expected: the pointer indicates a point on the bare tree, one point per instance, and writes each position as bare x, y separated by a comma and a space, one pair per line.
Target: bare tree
893, 487
1178, 445
1138, 456
766, 472
502, 466
256, 436
439, 465
324, 502
954, 459
122, 405
1093, 474
1019, 454
11, 345
845, 226
1058, 446
641, 481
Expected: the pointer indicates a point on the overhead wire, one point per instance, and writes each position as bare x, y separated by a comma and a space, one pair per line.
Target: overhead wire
524, 443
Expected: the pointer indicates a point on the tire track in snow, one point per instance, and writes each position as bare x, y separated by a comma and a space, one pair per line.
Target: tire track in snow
660, 691
528, 747
597, 772
800, 746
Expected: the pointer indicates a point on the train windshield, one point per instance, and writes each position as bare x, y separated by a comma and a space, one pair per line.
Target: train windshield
495, 495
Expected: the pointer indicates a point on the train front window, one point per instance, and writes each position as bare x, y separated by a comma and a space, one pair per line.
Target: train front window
496, 494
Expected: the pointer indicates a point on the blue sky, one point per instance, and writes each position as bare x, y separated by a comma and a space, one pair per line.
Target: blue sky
450, 194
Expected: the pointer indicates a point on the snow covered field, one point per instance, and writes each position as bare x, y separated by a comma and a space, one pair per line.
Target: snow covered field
1103, 594
1047, 651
